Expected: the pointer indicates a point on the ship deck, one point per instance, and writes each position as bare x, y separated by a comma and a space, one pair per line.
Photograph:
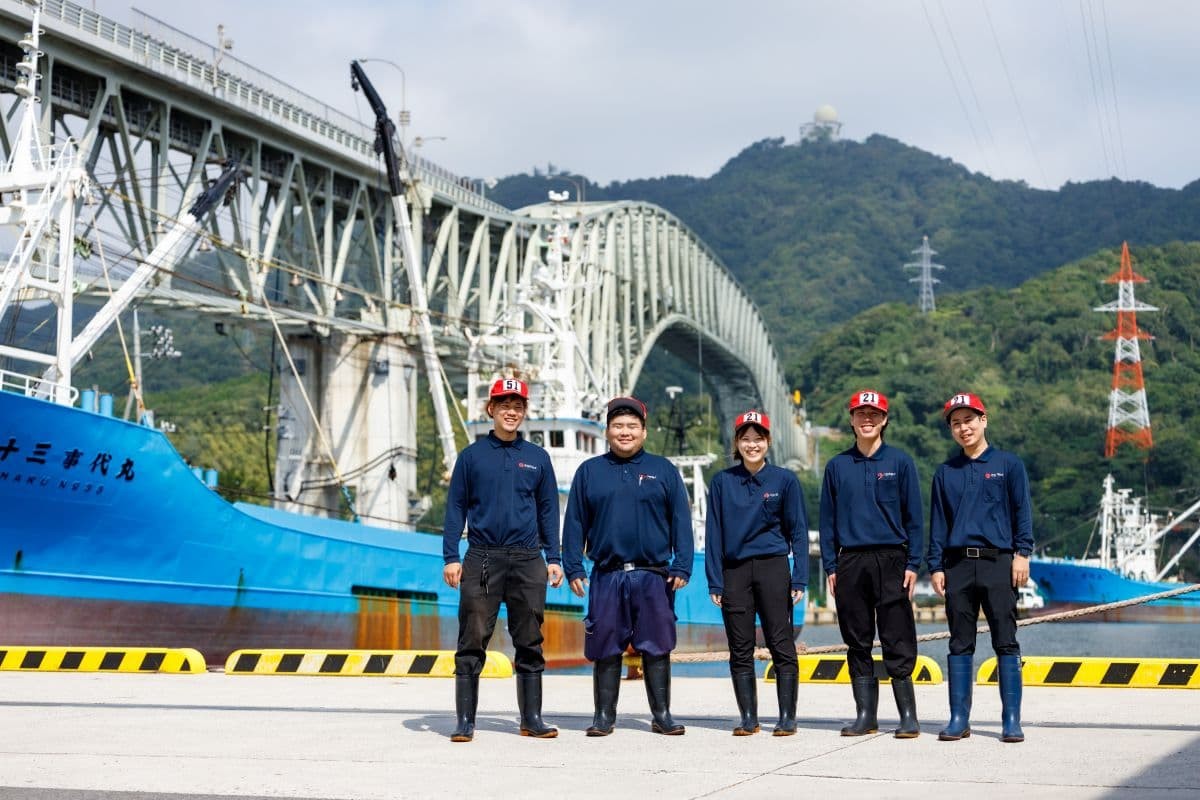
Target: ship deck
209, 735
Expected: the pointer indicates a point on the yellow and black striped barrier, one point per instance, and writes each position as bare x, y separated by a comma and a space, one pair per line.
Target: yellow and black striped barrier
101, 659
1136, 673
362, 663
833, 669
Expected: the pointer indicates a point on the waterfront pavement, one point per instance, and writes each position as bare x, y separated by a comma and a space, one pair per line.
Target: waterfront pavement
75, 736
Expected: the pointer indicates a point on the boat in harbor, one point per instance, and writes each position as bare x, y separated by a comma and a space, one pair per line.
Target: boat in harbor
1125, 568
110, 538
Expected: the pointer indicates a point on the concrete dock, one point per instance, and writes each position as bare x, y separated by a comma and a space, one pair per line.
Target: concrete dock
73, 736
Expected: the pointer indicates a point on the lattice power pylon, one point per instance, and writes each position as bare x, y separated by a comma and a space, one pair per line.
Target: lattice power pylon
1128, 413
925, 276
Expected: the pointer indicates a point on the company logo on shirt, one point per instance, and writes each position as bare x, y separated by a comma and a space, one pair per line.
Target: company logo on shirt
885, 476
769, 495
987, 476
523, 465
645, 477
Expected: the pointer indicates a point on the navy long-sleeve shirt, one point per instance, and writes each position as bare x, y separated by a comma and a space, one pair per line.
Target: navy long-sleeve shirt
751, 516
981, 502
871, 501
628, 510
506, 495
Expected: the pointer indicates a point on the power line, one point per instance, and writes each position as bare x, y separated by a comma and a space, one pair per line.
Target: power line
962, 64
1101, 116
1112, 85
1016, 101
954, 84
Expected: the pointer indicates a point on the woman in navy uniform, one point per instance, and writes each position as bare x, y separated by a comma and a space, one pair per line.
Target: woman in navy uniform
871, 548
980, 540
628, 511
504, 490
756, 518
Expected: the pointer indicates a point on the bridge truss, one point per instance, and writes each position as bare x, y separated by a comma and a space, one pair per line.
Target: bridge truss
307, 242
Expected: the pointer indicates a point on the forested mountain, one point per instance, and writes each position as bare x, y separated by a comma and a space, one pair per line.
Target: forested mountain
819, 232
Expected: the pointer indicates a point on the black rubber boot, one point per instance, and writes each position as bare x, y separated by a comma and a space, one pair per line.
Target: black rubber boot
466, 699
745, 691
961, 674
529, 701
606, 685
787, 681
866, 703
1010, 699
657, 674
906, 704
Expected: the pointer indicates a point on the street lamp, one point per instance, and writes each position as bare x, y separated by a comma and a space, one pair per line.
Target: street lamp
579, 193
405, 116
223, 44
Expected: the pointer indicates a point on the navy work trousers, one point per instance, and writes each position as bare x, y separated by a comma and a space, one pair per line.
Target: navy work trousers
762, 586
635, 607
870, 589
975, 582
515, 576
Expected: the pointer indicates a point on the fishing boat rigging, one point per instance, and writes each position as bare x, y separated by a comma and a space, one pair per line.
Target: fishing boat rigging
399, 178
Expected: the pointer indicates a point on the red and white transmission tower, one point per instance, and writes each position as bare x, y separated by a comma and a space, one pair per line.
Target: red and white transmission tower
1128, 414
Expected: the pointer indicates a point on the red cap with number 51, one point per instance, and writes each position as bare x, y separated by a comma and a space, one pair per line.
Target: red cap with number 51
506, 386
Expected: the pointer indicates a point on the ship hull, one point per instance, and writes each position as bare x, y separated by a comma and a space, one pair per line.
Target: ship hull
108, 539
1068, 584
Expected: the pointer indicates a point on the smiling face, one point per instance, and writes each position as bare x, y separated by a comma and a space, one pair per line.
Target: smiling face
868, 424
507, 412
752, 444
969, 429
626, 433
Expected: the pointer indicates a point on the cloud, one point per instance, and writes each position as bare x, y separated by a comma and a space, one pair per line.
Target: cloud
627, 89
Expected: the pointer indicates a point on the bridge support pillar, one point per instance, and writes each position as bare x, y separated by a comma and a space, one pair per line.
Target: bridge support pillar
364, 392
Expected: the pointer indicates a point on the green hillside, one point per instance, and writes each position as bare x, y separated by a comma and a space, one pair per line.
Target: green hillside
1036, 356
819, 232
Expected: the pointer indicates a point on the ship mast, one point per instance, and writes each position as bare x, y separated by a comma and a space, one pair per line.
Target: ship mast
398, 178
44, 184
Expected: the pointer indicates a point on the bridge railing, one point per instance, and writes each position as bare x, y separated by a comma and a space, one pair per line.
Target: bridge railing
171, 52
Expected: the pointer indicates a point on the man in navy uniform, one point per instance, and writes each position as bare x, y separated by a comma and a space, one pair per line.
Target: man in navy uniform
980, 540
503, 488
871, 548
628, 511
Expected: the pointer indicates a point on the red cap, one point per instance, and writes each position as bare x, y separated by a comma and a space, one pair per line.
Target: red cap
867, 398
627, 404
751, 418
963, 400
506, 386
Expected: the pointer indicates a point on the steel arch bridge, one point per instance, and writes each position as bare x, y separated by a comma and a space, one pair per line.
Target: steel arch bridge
308, 239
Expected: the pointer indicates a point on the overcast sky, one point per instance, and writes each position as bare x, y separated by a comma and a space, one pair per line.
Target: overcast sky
1045, 91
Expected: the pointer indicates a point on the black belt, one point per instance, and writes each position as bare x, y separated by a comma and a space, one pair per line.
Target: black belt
630, 566
989, 553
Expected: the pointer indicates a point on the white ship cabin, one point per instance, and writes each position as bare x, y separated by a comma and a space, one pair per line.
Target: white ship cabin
568, 439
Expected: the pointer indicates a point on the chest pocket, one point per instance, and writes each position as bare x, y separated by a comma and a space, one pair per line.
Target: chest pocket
771, 506
887, 490
526, 480
993, 491
651, 489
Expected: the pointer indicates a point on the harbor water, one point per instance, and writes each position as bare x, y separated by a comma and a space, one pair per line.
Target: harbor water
1080, 639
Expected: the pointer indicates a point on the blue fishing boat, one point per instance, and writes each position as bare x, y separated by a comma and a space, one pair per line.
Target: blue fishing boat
1125, 568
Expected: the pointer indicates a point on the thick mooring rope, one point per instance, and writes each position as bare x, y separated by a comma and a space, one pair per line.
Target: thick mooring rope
762, 654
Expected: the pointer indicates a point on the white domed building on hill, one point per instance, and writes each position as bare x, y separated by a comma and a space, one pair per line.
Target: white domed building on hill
824, 127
